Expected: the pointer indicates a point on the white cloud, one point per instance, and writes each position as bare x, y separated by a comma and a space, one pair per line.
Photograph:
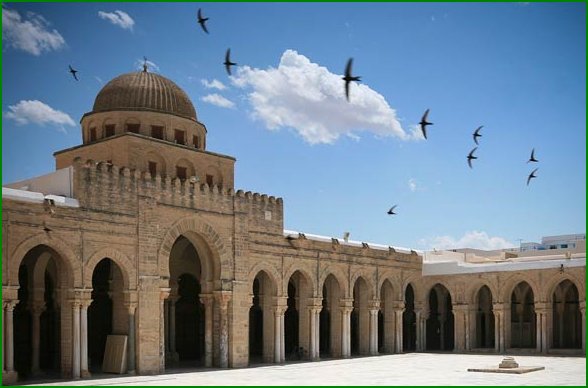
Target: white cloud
412, 184
31, 35
218, 100
214, 84
151, 66
118, 18
37, 112
302, 95
473, 239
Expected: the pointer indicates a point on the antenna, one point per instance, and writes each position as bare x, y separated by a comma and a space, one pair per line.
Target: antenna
144, 64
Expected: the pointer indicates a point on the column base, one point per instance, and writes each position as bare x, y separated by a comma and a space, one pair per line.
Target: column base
9, 378
132, 372
85, 374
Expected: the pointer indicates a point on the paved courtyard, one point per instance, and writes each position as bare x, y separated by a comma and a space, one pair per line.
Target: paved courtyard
399, 369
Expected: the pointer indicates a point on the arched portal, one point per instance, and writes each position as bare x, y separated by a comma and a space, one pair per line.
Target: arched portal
330, 318
37, 318
184, 313
386, 319
189, 320
409, 326
360, 331
567, 320
484, 319
522, 317
297, 318
261, 319
291, 323
440, 335
107, 313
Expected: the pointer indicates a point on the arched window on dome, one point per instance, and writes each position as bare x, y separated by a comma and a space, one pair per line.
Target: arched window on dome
132, 125
109, 128
157, 132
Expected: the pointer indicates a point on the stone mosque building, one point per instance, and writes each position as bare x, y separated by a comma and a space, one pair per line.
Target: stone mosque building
140, 232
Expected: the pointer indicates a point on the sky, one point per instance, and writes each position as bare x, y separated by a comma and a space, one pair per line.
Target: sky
517, 69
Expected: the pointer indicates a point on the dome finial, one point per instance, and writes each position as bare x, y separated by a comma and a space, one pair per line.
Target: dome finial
145, 64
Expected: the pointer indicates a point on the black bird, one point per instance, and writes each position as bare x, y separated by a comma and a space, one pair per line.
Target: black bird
348, 77
73, 72
202, 20
391, 211
228, 62
471, 156
424, 123
477, 134
532, 158
531, 176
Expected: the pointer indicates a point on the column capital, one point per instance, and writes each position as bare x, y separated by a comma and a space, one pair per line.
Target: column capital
164, 293
500, 307
374, 305
223, 298
346, 303
9, 304
280, 301
205, 299
37, 307
542, 307
582, 305
398, 305
10, 293
131, 307
462, 308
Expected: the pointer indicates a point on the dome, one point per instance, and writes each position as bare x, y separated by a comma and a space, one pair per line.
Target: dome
147, 91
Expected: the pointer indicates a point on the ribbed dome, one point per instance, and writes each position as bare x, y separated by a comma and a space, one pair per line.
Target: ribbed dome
144, 91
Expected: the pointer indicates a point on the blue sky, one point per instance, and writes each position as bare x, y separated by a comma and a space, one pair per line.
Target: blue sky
518, 69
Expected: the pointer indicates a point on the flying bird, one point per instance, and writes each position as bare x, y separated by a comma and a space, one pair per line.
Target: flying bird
228, 62
424, 123
348, 77
531, 176
471, 156
202, 20
73, 72
532, 158
391, 211
477, 134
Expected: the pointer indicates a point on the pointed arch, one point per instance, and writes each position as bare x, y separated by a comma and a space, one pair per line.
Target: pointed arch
124, 263
66, 255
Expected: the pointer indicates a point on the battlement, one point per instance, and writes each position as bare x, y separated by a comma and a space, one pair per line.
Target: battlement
101, 185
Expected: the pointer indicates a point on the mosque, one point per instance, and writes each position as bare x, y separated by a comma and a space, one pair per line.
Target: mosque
140, 236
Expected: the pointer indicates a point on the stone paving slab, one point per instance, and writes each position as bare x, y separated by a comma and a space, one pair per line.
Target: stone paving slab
398, 369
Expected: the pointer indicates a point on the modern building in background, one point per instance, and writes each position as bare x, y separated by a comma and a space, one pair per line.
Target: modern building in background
140, 233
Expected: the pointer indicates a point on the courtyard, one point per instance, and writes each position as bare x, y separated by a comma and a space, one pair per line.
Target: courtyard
397, 369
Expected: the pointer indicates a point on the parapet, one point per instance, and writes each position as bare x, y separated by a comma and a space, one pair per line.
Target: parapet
102, 184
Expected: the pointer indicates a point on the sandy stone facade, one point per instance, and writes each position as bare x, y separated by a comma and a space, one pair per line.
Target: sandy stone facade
196, 273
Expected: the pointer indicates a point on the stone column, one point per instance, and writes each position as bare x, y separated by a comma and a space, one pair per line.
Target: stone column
419, 336
208, 301
9, 335
222, 299
541, 311
84, 371
459, 327
374, 307
346, 309
399, 308
37, 309
317, 340
131, 354
314, 308
163, 294
583, 312
500, 326
172, 328
76, 359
